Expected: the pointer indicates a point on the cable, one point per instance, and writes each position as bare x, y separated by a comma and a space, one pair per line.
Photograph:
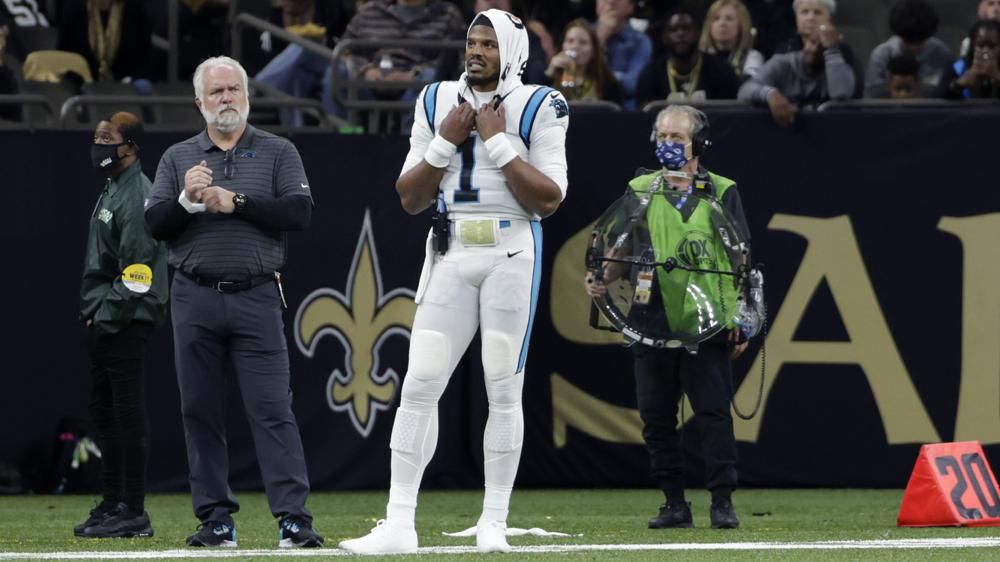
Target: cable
763, 370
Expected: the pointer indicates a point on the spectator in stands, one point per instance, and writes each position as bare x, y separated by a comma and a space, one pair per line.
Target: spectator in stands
913, 23
987, 10
977, 75
815, 74
26, 18
8, 82
296, 70
548, 18
728, 33
809, 16
629, 50
113, 35
580, 71
684, 73
903, 69
433, 20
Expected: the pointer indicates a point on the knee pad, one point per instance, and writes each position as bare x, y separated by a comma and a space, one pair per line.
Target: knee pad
408, 429
430, 355
498, 355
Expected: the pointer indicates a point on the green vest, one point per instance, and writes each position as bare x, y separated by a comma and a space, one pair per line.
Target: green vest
692, 242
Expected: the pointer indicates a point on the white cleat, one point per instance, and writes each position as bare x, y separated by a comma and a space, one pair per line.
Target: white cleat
491, 536
383, 539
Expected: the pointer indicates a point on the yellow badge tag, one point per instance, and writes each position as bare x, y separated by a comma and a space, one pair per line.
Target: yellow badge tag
478, 232
644, 286
138, 278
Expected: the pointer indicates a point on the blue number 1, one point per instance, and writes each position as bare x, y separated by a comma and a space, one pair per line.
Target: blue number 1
466, 193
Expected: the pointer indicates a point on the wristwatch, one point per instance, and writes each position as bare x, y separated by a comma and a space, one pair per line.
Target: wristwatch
239, 201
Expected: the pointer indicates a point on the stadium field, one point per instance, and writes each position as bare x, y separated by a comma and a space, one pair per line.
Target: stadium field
778, 525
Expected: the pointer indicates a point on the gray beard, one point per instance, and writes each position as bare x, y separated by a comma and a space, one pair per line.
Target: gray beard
225, 124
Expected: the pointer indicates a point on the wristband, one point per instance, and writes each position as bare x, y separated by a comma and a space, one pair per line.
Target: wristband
190, 206
439, 152
500, 149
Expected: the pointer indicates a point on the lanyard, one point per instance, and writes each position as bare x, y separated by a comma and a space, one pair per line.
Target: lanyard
692, 84
107, 185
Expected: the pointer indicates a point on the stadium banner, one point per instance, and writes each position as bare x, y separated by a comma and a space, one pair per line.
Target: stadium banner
878, 232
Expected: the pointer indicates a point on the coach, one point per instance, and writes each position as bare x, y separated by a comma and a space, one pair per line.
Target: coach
223, 200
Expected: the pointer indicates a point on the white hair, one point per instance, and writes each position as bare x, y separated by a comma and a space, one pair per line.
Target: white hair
698, 118
831, 5
208, 64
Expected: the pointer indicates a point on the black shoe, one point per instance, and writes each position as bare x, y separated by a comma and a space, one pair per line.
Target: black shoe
673, 515
214, 533
294, 532
103, 510
123, 524
723, 515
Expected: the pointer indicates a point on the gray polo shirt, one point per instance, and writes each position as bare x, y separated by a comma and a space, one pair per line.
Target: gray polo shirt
226, 246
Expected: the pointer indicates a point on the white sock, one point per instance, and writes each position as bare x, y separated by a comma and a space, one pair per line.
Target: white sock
414, 439
502, 442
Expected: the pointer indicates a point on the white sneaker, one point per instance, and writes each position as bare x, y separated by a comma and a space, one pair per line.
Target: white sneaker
383, 539
491, 536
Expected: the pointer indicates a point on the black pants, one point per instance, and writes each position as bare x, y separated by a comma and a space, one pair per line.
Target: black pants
118, 411
661, 376
212, 331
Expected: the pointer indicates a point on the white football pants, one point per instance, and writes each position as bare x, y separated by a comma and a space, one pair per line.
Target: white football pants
494, 289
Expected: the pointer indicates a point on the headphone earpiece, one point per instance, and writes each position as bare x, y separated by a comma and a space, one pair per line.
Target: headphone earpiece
700, 143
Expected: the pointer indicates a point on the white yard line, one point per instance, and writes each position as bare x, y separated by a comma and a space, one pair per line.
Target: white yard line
236, 552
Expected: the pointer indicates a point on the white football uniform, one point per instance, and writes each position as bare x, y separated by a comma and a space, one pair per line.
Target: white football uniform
488, 280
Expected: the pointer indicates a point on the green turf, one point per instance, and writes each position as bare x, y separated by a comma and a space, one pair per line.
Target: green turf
44, 523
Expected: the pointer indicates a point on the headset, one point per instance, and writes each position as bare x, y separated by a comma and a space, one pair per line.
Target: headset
700, 142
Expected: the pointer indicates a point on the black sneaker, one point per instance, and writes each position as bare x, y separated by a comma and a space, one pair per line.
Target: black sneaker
214, 533
294, 532
673, 515
723, 515
123, 524
103, 510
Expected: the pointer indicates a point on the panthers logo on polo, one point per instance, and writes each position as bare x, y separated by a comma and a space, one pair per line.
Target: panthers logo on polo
362, 319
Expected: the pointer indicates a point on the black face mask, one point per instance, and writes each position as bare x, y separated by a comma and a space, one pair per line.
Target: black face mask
104, 156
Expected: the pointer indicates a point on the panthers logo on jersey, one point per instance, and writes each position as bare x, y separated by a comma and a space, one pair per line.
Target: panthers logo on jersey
559, 105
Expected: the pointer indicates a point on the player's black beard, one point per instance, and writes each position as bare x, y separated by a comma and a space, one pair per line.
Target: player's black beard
483, 81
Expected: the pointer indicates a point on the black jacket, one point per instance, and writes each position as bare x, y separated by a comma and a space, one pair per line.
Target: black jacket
716, 79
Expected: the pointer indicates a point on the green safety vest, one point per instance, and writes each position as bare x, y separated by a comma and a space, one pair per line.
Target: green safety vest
693, 242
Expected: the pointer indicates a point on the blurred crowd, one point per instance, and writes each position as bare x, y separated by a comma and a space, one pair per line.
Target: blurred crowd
782, 54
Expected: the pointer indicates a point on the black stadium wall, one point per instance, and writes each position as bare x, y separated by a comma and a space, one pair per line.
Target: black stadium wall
879, 232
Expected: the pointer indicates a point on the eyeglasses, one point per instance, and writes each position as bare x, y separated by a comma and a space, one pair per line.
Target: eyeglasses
230, 164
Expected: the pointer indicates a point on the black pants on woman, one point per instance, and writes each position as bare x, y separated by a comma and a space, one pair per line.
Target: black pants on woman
118, 412
661, 377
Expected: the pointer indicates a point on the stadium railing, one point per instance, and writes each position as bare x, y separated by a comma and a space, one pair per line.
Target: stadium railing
657, 105
351, 86
25, 100
594, 105
69, 115
881, 104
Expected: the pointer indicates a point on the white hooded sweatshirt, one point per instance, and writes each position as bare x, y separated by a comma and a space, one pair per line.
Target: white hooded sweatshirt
537, 119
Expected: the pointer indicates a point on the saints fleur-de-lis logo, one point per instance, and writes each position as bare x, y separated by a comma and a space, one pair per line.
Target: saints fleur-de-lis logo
362, 319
